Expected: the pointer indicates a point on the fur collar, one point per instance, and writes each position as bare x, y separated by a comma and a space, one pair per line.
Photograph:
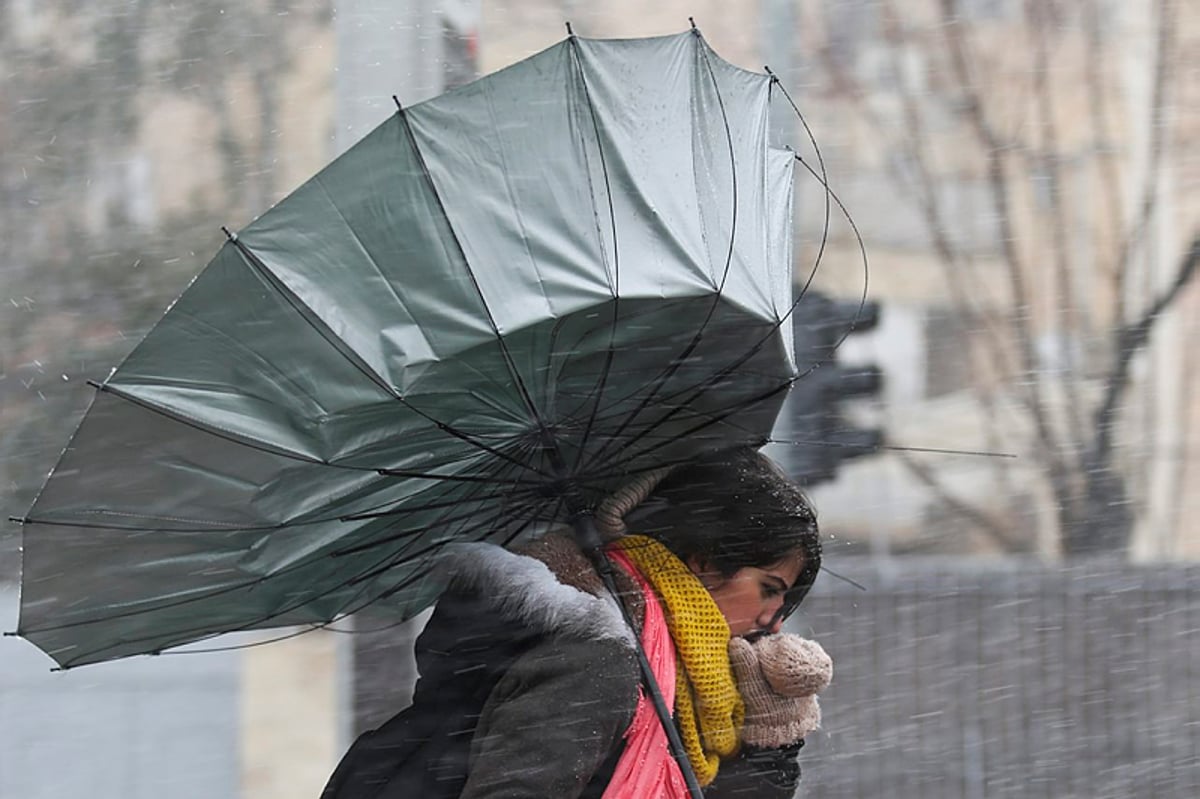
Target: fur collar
551, 589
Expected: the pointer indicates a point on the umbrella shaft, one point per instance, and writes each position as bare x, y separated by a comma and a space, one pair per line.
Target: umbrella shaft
588, 538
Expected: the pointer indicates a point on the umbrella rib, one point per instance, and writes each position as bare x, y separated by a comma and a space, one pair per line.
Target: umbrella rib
389, 562
713, 420
467, 499
523, 390
862, 247
507, 496
459, 478
395, 295
829, 194
191, 635
261, 364
348, 608
758, 345
677, 362
224, 527
582, 397
509, 539
208, 595
234, 439
392, 511
377, 542
225, 435
710, 419
262, 447
213, 526
394, 559
602, 383
733, 173
377, 567
211, 650
532, 505
186, 635
342, 349
698, 390
823, 179
308, 315
377, 512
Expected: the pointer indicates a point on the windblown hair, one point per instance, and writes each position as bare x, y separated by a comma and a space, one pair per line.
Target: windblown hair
733, 509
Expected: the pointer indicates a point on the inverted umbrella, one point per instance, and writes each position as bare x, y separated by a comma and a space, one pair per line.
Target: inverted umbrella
480, 319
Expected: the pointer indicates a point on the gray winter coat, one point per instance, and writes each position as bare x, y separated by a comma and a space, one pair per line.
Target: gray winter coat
528, 682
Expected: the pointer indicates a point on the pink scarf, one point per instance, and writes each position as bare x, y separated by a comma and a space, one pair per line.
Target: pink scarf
646, 769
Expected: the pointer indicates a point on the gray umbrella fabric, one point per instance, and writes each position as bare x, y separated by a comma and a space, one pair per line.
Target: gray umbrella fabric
482, 317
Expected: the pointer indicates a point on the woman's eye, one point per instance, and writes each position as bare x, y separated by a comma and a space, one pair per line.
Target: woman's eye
771, 591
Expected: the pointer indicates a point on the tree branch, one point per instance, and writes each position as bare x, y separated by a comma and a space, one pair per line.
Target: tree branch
1130, 340
1164, 47
1039, 15
954, 263
985, 523
1096, 54
998, 185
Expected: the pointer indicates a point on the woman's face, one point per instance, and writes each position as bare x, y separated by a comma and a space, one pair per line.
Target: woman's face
751, 597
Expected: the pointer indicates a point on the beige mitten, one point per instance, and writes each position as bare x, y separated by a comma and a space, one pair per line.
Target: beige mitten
779, 677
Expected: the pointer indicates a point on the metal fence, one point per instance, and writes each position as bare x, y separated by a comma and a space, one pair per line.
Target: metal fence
956, 679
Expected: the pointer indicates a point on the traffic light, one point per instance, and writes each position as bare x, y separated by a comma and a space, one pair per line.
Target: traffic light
821, 438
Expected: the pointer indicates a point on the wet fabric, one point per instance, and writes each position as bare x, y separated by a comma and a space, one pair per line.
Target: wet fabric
573, 270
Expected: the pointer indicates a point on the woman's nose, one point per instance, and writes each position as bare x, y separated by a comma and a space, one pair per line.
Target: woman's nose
771, 619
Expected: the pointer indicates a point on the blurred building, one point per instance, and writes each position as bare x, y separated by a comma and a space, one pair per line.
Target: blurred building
1050, 159
130, 132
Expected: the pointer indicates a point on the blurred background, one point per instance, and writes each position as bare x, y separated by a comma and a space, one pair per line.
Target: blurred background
1004, 450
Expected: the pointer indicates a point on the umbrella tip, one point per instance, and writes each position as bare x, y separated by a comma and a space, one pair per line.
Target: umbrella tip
10, 633
396, 100
18, 520
692, 22
570, 32
228, 234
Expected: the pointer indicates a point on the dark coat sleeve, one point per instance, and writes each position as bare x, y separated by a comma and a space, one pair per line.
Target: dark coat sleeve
758, 774
553, 720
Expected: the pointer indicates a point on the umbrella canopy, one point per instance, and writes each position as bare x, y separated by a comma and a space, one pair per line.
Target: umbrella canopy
481, 318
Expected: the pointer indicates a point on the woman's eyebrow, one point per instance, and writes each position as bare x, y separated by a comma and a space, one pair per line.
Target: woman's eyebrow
782, 582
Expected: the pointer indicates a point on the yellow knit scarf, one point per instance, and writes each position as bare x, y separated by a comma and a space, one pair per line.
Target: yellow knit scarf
708, 707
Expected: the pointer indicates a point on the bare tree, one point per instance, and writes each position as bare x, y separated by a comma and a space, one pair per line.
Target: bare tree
1019, 101
91, 253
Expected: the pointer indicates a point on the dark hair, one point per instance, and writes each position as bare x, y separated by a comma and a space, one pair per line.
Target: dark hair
733, 509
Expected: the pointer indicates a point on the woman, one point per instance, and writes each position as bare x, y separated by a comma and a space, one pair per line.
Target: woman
529, 681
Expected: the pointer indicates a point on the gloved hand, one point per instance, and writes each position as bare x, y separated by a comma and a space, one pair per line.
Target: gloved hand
779, 677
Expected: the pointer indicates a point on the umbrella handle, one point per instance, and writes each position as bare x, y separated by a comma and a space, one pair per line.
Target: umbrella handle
589, 540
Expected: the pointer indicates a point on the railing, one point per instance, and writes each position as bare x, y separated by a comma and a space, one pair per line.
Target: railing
968, 678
